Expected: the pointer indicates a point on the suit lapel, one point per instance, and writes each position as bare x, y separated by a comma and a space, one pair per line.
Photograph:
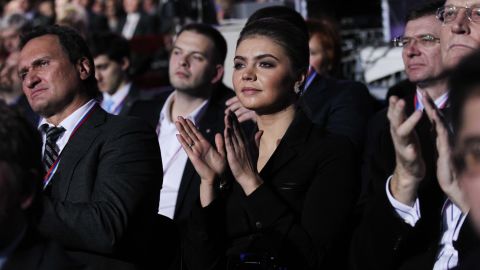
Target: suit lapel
132, 96
297, 133
76, 148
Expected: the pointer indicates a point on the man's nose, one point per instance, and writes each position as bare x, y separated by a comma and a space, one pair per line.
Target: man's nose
411, 49
31, 79
461, 23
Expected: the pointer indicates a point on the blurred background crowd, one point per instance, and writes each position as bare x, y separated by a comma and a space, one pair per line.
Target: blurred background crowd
357, 34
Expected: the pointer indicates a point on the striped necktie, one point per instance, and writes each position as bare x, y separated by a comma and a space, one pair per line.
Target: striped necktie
51, 150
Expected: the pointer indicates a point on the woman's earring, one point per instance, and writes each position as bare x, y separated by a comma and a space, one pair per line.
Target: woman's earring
296, 88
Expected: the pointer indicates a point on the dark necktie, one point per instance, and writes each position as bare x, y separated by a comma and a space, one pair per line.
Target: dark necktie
51, 153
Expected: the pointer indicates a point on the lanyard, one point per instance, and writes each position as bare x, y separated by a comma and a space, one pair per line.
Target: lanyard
310, 78
48, 176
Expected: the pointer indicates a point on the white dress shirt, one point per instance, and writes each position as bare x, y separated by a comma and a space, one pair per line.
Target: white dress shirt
452, 221
130, 25
68, 124
117, 99
440, 102
174, 157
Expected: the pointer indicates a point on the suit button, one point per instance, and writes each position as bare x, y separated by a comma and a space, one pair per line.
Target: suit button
258, 224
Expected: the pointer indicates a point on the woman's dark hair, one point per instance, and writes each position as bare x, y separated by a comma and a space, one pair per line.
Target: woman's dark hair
279, 12
290, 37
73, 45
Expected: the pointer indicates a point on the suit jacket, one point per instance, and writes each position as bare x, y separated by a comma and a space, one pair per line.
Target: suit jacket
101, 202
134, 94
471, 262
299, 215
37, 253
210, 123
341, 107
145, 26
383, 240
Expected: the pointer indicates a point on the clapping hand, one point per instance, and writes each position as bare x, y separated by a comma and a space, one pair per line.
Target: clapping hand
209, 162
238, 155
410, 166
445, 173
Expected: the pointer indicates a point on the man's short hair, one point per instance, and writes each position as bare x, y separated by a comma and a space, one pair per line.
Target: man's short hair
73, 45
219, 42
112, 45
424, 9
20, 150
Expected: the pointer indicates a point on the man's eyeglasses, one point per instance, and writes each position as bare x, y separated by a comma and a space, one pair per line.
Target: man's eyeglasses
448, 14
426, 40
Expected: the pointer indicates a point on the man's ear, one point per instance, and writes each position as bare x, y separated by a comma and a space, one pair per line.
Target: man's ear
218, 75
125, 64
84, 68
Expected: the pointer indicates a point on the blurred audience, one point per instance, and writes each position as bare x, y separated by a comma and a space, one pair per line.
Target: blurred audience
111, 56
96, 22
113, 12
325, 46
136, 21
72, 15
11, 27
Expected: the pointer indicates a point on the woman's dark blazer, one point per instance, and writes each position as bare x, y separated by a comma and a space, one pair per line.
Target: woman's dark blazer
299, 215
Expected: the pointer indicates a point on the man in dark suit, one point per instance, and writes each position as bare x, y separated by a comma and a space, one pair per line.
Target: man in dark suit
21, 246
135, 22
102, 181
111, 56
340, 106
195, 71
415, 214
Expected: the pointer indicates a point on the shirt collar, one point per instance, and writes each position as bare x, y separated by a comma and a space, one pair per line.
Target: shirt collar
194, 116
119, 95
440, 102
71, 121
